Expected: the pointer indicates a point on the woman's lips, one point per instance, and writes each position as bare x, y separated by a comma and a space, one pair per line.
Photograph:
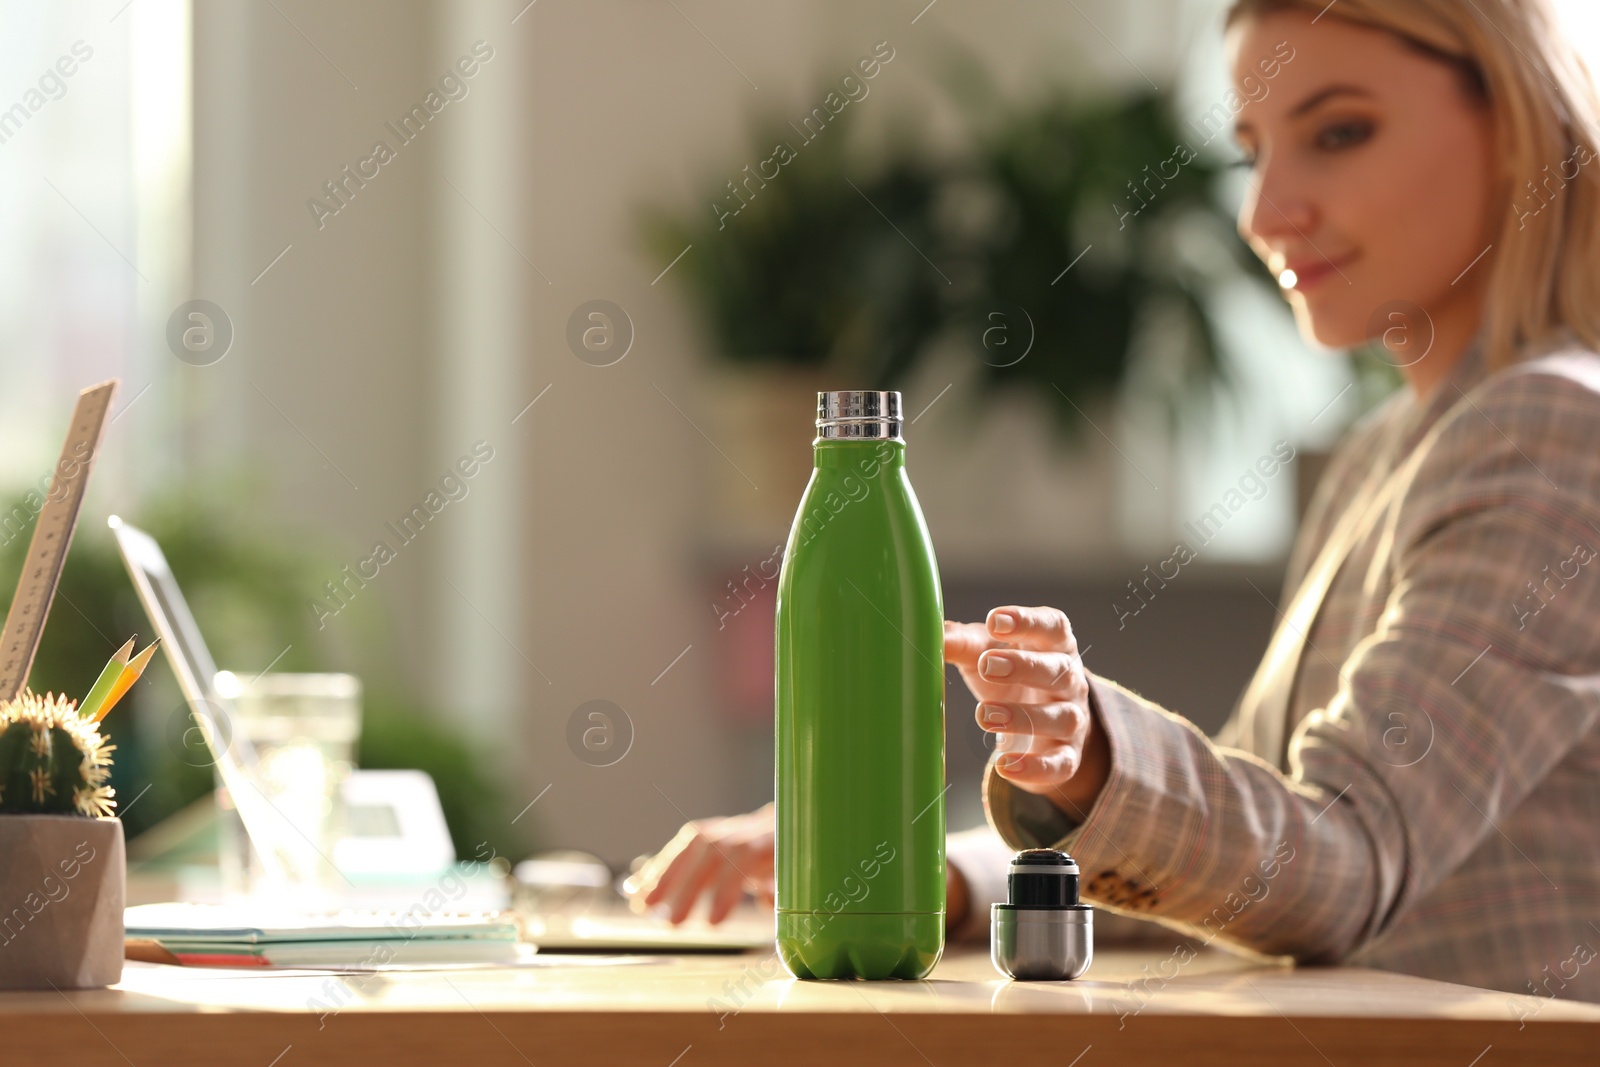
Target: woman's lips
1305, 274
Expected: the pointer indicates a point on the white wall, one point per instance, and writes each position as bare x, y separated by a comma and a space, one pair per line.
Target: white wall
424, 317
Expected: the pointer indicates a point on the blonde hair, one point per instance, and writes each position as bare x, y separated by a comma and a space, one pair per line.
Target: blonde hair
1546, 116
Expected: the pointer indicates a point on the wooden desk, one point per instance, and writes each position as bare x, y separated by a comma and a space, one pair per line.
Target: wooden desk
664, 1012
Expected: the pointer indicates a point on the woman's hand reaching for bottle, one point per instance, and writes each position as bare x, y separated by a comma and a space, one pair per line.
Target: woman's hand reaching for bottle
1023, 666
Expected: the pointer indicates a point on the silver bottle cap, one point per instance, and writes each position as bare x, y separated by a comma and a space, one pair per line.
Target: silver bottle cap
859, 415
1042, 933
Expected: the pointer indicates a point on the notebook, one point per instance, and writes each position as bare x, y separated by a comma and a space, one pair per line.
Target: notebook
227, 936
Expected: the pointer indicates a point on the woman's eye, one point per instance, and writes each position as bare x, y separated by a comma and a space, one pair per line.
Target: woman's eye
1343, 135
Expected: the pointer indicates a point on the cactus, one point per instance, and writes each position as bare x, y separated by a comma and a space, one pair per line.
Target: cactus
52, 762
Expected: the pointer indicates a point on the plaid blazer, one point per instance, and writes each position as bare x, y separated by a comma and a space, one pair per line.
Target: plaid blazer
1412, 779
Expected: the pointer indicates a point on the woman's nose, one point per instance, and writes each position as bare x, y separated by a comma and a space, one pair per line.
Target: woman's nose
1274, 210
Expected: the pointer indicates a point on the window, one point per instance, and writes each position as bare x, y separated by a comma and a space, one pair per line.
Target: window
94, 171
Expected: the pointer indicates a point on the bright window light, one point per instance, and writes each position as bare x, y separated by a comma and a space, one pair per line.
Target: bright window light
1582, 18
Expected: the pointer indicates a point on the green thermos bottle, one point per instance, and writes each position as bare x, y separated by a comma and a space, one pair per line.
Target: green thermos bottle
860, 710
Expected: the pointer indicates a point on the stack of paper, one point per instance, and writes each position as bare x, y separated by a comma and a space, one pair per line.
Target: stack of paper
223, 936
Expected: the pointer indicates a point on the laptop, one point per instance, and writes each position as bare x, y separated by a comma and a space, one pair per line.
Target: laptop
231, 751
273, 837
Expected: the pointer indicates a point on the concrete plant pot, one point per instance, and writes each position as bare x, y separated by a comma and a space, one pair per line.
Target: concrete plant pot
63, 879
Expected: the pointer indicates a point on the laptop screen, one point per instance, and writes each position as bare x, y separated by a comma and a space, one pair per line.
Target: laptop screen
231, 751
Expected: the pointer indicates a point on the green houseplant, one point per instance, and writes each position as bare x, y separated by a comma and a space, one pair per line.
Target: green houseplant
813, 272
1102, 229
1075, 222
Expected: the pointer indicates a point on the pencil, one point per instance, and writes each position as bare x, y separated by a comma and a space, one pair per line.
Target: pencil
130, 674
108, 678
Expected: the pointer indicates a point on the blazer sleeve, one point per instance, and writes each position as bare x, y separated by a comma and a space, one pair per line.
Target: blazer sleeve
1447, 716
984, 861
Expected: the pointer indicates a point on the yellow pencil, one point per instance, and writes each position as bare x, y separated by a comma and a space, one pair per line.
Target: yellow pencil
108, 678
130, 674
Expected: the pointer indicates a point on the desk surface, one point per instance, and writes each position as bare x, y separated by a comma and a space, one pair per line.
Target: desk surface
693, 1011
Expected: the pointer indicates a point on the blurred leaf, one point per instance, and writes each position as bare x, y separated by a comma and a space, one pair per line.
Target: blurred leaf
818, 265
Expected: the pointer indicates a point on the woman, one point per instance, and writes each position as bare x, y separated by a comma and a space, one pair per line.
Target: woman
1412, 779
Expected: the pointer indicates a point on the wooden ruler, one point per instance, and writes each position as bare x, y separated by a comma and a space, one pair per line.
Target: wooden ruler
52, 536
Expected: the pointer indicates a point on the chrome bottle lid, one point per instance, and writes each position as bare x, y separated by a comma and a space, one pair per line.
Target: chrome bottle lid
859, 415
1042, 932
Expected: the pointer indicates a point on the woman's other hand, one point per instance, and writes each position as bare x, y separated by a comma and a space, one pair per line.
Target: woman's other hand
722, 858
728, 856
1023, 666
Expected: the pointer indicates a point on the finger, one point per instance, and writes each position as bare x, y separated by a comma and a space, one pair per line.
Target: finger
1063, 721
1044, 629
983, 689
679, 876
706, 865
1053, 672
1048, 765
725, 893
964, 641
664, 869
757, 854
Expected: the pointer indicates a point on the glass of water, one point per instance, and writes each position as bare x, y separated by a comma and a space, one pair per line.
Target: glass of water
303, 728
